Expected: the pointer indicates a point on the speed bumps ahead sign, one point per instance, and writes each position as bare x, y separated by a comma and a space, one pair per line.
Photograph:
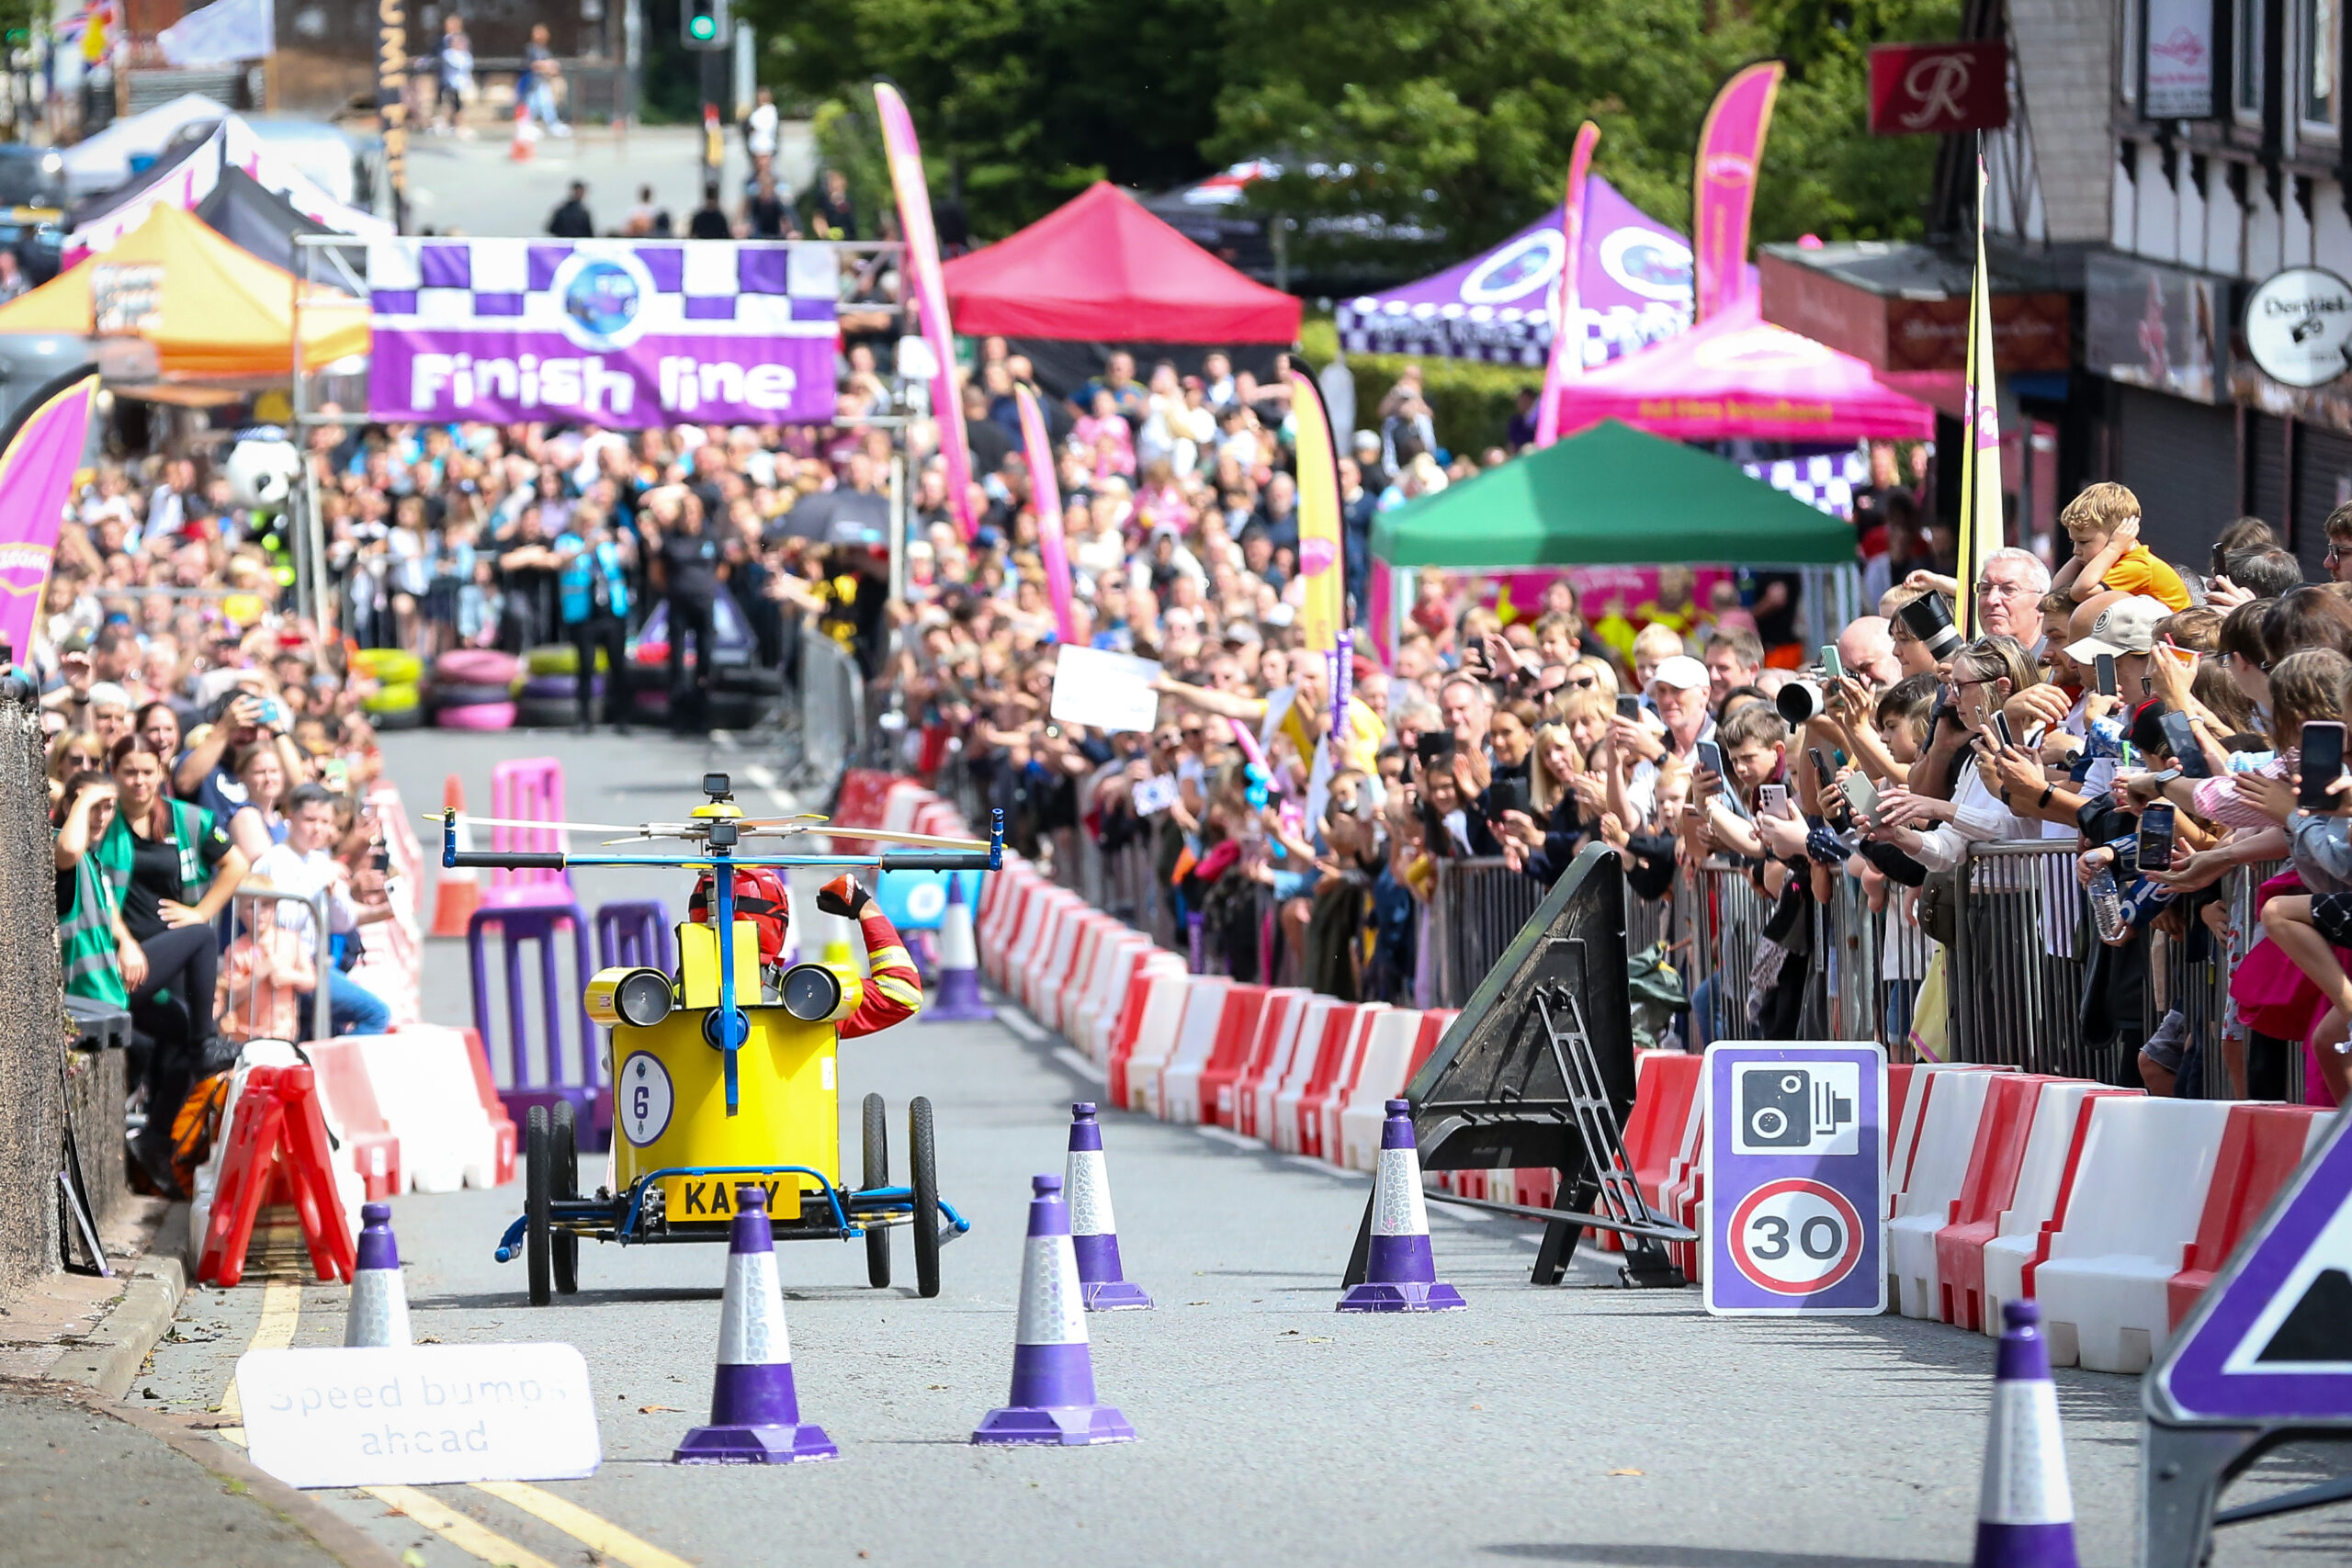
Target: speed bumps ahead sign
2265, 1358
419, 1415
1795, 1164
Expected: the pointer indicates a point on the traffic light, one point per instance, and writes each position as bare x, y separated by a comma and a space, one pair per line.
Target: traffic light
706, 24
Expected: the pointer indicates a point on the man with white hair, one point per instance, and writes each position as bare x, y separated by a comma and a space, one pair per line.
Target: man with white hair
2010, 592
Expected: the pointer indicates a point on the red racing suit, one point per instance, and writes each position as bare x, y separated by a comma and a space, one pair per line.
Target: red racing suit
894, 992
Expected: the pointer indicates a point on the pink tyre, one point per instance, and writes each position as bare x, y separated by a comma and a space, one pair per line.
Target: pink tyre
477, 666
476, 716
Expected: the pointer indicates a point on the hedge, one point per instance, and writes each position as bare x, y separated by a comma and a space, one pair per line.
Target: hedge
1471, 403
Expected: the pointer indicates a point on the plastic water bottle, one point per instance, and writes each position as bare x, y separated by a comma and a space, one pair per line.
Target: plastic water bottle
2107, 906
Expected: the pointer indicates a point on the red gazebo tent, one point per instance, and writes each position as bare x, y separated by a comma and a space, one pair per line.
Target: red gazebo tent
1103, 270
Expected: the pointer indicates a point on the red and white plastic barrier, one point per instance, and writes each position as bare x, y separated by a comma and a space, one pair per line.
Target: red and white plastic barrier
2114, 1209
1176, 1096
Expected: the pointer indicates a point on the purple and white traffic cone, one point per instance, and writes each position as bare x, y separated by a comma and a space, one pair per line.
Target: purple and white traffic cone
1400, 1272
754, 1410
1053, 1371
1093, 1233
959, 965
378, 1314
2025, 1514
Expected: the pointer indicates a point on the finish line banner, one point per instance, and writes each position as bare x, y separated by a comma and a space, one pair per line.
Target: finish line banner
617, 332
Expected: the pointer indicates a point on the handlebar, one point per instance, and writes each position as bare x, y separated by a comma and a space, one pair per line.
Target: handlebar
991, 859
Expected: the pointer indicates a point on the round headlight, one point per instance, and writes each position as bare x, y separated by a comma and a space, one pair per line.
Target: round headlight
643, 998
812, 993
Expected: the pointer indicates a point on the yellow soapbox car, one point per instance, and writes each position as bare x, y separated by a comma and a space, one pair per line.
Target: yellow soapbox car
722, 1076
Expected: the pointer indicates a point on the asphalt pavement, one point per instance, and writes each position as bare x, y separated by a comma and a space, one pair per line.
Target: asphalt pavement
1581, 1424
475, 187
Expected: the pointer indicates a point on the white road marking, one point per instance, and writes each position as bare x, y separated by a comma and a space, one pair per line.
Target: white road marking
1226, 1135
1020, 1023
1310, 1163
1079, 1065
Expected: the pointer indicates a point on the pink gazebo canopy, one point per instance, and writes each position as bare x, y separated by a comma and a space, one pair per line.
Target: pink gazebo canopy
1739, 375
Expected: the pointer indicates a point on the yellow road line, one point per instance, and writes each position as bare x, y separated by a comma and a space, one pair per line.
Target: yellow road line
281, 1311
456, 1529
599, 1535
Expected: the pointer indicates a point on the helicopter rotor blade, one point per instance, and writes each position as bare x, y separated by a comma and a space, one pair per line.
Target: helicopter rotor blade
886, 836
469, 819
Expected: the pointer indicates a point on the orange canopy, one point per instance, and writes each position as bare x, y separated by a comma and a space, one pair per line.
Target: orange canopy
211, 310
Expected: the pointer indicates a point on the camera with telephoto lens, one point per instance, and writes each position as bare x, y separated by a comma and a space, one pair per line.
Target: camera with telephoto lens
1788, 1109
1929, 619
1802, 700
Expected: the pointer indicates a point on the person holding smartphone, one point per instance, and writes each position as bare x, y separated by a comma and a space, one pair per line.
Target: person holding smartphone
1985, 674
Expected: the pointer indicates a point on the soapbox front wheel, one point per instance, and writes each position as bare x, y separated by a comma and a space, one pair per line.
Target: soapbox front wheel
926, 1189
877, 1174
564, 1177
538, 1181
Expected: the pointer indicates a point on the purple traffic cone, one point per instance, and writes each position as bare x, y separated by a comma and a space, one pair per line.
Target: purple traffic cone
1400, 1272
1093, 1233
377, 1313
754, 1411
2025, 1512
959, 965
1053, 1371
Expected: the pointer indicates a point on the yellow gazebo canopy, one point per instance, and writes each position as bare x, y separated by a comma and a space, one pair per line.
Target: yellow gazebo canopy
212, 310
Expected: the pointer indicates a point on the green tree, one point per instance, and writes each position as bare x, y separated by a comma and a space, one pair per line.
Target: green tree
1461, 113
1020, 103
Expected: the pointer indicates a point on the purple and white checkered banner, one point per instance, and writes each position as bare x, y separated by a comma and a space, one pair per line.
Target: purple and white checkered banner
624, 333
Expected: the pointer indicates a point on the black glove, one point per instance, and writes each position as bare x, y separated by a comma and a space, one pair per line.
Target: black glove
842, 896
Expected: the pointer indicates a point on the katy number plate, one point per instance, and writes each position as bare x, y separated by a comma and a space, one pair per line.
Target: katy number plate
692, 1198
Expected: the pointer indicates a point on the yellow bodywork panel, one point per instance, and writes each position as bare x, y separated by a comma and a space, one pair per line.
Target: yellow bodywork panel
699, 966
670, 1108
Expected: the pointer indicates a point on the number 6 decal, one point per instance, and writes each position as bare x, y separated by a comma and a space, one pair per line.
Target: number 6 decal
644, 1099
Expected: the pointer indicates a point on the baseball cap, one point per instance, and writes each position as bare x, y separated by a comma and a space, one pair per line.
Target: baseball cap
1682, 672
2128, 626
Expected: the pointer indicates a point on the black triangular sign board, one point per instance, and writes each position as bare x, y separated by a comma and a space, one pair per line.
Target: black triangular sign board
2315, 1329
1492, 1095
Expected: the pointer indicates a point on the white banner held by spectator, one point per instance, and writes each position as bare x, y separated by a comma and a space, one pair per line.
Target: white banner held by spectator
1155, 795
1104, 691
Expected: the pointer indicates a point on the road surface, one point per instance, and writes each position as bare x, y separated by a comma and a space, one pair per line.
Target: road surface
1582, 1425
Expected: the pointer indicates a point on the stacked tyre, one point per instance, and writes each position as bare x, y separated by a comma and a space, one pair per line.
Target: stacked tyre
549, 697
741, 695
396, 703
473, 688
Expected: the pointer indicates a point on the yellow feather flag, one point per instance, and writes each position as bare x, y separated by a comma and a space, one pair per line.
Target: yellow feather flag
1981, 527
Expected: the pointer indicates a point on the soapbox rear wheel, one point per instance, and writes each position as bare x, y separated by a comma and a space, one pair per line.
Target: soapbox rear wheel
538, 1181
877, 1174
926, 1189
565, 1178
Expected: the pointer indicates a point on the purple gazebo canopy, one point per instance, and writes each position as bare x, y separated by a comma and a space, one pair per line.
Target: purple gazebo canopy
1636, 284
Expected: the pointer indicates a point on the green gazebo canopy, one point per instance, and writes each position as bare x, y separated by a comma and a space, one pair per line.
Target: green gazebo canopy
1610, 496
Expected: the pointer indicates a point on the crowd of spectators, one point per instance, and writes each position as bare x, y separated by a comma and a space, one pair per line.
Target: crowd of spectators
1852, 778
203, 731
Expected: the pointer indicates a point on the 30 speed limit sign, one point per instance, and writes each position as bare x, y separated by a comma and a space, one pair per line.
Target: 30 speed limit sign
1796, 1164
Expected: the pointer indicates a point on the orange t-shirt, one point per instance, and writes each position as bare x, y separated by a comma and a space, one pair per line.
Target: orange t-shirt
2141, 572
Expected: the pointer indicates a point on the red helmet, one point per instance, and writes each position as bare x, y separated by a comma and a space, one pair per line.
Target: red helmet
759, 898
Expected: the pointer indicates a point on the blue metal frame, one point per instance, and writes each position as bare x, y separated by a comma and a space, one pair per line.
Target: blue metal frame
890, 1200
734, 1028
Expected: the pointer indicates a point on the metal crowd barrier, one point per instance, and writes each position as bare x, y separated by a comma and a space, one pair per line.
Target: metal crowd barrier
2015, 975
833, 726
1479, 906
244, 906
